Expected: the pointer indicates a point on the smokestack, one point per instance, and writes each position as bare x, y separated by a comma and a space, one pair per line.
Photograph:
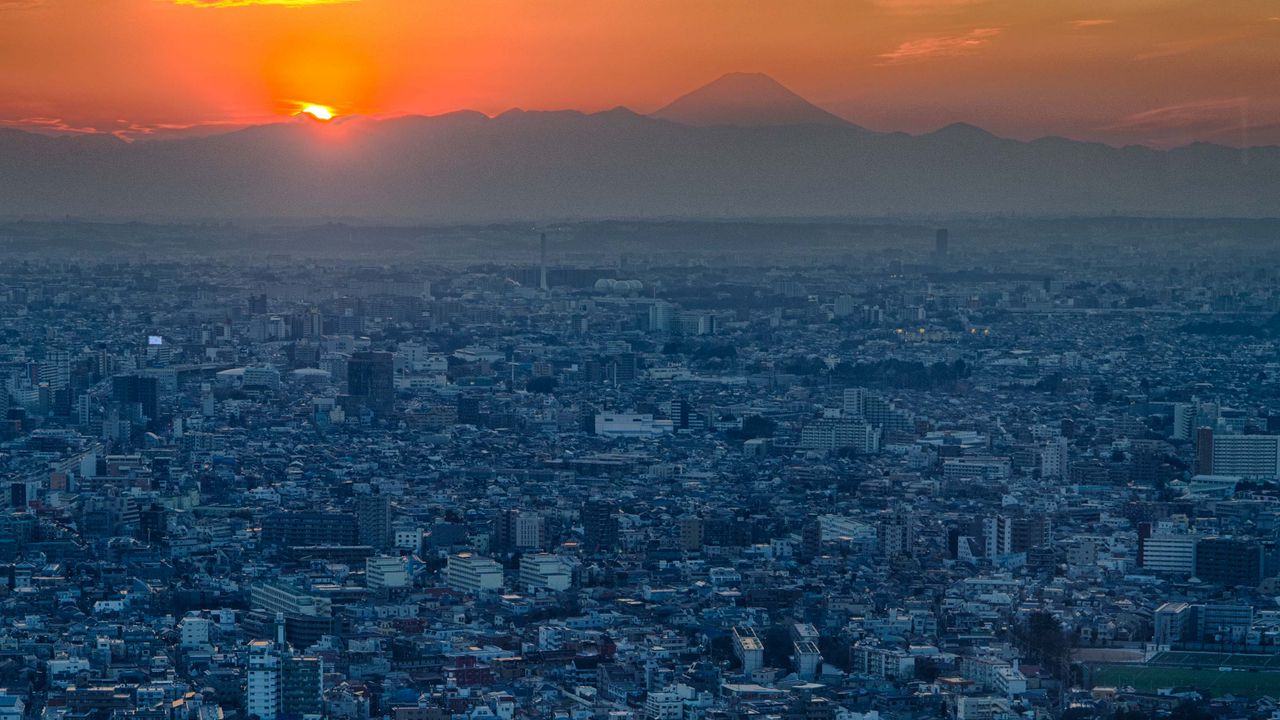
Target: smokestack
542, 275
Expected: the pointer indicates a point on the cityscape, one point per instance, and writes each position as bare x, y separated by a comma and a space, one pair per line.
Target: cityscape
639, 360
935, 477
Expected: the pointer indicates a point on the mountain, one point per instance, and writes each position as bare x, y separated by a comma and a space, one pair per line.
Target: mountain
467, 167
746, 100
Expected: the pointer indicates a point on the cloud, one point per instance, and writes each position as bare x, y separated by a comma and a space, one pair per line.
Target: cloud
940, 46
51, 124
1084, 24
250, 3
20, 4
923, 7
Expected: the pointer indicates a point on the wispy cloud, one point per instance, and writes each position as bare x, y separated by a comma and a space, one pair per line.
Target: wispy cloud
1185, 115
1090, 23
20, 4
51, 124
250, 3
1225, 118
940, 46
130, 131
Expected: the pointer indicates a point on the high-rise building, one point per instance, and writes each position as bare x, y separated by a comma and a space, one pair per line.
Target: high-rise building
142, 393
1229, 561
516, 530
371, 377
280, 684
600, 525
691, 534
1003, 535
1204, 451
373, 519
262, 695
1249, 456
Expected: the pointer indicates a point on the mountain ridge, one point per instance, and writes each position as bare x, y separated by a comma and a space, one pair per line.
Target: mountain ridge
466, 166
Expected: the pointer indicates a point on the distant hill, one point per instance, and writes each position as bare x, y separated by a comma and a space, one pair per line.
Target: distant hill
467, 167
746, 100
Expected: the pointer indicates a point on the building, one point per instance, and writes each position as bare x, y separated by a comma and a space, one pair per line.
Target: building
1254, 457
373, 519
631, 425
691, 534
544, 571
282, 685
309, 528
976, 467
1004, 535
748, 648
599, 525
384, 572
473, 573
1173, 554
1229, 561
262, 687
838, 434
516, 530
1179, 624
371, 377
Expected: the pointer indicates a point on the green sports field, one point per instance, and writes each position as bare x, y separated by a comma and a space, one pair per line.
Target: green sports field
1149, 678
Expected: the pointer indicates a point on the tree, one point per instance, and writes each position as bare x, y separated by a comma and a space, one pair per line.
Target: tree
1042, 641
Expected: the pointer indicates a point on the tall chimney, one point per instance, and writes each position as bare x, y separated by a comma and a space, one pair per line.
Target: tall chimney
542, 275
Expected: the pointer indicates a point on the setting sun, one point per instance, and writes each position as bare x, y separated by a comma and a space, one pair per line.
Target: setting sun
319, 112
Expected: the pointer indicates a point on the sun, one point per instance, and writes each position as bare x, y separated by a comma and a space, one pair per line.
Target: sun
323, 113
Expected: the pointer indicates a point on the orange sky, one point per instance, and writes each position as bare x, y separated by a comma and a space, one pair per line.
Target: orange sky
1156, 71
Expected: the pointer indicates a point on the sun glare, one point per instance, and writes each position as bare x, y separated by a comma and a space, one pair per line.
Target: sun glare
319, 112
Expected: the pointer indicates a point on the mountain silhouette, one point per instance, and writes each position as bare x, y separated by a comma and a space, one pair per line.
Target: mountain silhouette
468, 167
747, 100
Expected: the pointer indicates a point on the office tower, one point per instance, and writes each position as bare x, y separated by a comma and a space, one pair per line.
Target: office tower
373, 519
940, 243
600, 525
370, 376
136, 390
1204, 451
542, 263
